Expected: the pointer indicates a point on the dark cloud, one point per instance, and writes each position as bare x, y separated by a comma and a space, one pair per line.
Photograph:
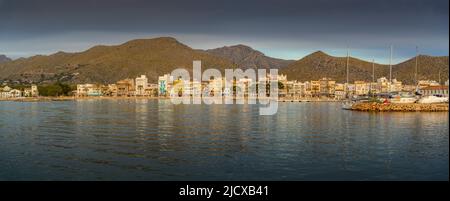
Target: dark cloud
361, 23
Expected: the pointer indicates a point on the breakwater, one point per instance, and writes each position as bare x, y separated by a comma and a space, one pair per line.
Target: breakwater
401, 107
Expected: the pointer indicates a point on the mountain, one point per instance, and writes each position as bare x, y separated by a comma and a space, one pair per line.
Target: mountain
428, 67
4, 59
245, 57
157, 56
108, 64
319, 64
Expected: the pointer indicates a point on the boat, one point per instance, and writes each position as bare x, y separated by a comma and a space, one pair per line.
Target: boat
347, 105
398, 99
433, 99
403, 98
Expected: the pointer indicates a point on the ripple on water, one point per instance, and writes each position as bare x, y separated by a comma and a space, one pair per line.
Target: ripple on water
156, 140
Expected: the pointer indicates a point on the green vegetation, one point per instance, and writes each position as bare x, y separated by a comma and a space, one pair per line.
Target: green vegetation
19, 86
56, 89
375, 100
280, 85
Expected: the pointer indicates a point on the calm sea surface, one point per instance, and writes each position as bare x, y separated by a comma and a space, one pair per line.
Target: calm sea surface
156, 140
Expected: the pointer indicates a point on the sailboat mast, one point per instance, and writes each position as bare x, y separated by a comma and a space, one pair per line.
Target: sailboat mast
390, 71
439, 76
373, 76
347, 65
373, 70
415, 72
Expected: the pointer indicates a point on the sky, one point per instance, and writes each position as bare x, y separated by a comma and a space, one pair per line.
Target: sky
287, 29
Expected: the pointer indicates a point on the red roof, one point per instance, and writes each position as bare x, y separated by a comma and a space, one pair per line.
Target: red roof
436, 88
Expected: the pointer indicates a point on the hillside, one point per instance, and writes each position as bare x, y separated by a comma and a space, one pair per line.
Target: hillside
4, 59
319, 64
107, 64
245, 57
428, 67
154, 57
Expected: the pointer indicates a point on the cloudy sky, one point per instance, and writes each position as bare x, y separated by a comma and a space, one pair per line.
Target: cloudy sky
283, 29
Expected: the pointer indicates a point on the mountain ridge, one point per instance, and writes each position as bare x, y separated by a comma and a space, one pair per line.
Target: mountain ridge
157, 56
4, 59
246, 57
333, 67
108, 64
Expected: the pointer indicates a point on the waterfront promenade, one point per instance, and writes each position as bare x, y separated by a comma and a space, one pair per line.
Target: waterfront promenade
68, 98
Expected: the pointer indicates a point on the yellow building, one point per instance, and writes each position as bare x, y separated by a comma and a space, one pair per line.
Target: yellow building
327, 87
383, 85
315, 88
125, 87
361, 88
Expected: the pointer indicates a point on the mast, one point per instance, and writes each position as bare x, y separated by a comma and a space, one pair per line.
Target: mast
347, 72
415, 72
390, 71
347, 64
373, 75
439, 76
373, 70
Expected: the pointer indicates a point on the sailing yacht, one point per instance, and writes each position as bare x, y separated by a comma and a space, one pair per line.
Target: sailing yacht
348, 104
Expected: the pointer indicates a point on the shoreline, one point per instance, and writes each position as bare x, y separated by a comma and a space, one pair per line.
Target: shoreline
362, 106
73, 98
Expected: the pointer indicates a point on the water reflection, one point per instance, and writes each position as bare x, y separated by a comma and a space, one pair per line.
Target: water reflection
156, 140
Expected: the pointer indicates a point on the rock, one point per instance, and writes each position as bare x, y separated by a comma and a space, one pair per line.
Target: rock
401, 107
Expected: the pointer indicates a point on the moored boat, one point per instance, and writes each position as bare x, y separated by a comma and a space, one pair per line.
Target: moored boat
403, 98
433, 99
347, 105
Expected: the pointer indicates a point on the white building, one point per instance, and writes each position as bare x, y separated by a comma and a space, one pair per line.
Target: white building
243, 86
383, 85
89, 90
8, 92
15, 93
435, 90
141, 85
396, 85
31, 92
427, 83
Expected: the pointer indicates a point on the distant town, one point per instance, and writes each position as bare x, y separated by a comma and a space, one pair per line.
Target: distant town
167, 86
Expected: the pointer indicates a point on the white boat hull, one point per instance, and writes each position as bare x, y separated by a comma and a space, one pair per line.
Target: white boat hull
403, 100
347, 106
433, 99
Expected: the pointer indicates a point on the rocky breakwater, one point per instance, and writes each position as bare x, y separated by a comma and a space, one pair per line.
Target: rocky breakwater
400, 107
